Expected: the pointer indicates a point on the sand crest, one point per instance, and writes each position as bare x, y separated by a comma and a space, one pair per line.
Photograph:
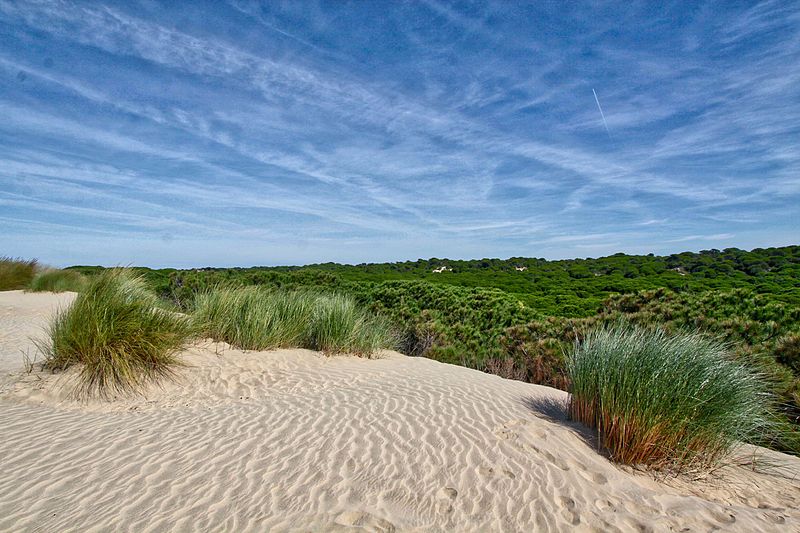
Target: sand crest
290, 440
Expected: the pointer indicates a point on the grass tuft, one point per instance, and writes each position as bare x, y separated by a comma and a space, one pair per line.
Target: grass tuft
339, 325
252, 318
255, 318
117, 331
16, 273
669, 401
57, 281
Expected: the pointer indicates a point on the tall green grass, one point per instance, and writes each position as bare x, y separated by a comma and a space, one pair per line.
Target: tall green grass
255, 318
118, 334
16, 273
339, 325
676, 402
55, 280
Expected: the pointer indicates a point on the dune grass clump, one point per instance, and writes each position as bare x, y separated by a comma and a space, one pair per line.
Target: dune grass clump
57, 281
256, 318
339, 325
16, 273
253, 318
119, 334
669, 401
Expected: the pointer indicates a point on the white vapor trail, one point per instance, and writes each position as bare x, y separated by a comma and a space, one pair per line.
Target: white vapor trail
601, 111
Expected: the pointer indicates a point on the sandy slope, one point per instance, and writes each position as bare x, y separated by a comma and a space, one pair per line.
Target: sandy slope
292, 441
22, 316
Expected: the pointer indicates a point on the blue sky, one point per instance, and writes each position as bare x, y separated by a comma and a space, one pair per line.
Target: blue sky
244, 133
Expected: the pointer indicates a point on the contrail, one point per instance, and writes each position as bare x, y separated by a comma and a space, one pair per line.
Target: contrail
601, 111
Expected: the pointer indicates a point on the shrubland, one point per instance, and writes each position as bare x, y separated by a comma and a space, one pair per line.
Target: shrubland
571, 288
520, 317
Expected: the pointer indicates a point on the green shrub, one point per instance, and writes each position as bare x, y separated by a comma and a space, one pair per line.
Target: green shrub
119, 334
459, 325
787, 351
676, 401
16, 273
57, 281
256, 318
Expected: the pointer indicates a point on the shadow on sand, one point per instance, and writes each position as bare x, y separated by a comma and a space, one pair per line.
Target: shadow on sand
555, 410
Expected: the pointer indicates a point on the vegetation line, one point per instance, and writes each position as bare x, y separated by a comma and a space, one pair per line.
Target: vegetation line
516, 317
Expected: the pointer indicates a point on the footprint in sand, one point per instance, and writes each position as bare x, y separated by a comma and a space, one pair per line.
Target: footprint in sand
569, 510
447, 493
507, 430
723, 517
594, 477
553, 459
775, 518
643, 528
605, 505
488, 471
365, 521
446, 496
507, 433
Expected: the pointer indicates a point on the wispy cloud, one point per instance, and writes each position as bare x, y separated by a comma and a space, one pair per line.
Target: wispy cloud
713, 238
457, 128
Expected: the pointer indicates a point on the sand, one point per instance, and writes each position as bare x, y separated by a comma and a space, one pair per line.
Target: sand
23, 316
290, 440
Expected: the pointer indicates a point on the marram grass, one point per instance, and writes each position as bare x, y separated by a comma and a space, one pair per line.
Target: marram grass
255, 318
16, 273
118, 334
669, 401
57, 281
339, 325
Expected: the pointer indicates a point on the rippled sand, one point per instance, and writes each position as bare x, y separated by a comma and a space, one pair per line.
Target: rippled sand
290, 440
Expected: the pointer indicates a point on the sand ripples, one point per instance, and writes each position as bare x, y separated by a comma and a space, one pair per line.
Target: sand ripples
292, 441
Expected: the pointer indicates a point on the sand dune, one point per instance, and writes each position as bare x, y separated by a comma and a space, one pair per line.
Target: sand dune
23, 317
292, 441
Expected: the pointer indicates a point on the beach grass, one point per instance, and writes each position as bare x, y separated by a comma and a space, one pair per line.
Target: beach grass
668, 401
56, 280
339, 325
257, 318
16, 273
119, 335
253, 318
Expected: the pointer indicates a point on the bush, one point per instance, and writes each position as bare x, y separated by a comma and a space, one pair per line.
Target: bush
16, 273
459, 325
57, 281
117, 331
256, 318
675, 401
787, 351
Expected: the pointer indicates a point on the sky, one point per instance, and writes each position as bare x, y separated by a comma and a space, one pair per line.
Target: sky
239, 133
